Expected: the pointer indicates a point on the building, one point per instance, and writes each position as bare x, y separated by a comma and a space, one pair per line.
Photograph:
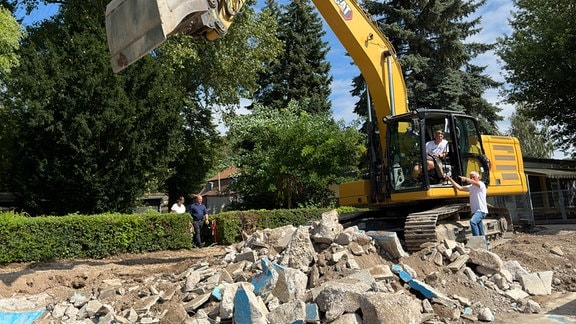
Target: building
216, 195
552, 187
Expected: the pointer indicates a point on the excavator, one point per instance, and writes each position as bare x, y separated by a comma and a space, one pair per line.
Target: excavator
398, 185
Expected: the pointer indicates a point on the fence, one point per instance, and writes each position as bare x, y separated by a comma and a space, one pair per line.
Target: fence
543, 207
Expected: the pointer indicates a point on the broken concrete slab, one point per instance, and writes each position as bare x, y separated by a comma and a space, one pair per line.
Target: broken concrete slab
537, 283
328, 228
248, 308
389, 242
486, 259
340, 296
380, 307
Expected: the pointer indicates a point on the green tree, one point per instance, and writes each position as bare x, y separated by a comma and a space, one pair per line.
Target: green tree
430, 40
88, 140
215, 76
162, 106
540, 61
9, 41
289, 157
301, 72
10, 34
535, 140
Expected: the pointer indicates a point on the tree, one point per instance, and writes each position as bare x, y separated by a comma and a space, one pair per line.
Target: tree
535, 141
88, 140
215, 76
288, 157
429, 37
301, 72
93, 141
9, 41
540, 61
10, 35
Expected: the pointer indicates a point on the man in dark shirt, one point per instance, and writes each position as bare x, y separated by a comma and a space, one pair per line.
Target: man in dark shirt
199, 215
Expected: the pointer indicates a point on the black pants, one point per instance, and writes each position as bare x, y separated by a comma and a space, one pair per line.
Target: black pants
197, 228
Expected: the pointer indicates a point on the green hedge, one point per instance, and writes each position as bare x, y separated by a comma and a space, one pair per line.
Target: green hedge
95, 236
26, 239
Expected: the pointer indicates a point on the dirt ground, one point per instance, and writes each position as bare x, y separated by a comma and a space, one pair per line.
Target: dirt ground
536, 251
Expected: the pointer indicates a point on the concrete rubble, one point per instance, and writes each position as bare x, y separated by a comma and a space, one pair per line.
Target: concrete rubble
319, 273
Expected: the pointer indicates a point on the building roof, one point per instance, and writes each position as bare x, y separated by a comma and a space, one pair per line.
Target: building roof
224, 174
551, 173
219, 188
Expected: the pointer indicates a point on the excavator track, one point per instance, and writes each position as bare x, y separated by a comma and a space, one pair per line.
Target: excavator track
420, 227
445, 222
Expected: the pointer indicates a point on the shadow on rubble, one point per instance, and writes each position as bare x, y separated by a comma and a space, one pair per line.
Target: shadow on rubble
549, 229
568, 309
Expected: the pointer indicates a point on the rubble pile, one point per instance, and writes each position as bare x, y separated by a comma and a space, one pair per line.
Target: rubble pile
320, 273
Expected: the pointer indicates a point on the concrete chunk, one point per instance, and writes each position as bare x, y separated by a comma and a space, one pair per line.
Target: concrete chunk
265, 281
249, 256
389, 242
143, 305
291, 284
537, 283
486, 259
516, 270
380, 307
340, 296
312, 313
228, 292
328, 228
300, 252
248, 308
516, 294
197, 302
459, 263
381, 271
476, 242
290, 312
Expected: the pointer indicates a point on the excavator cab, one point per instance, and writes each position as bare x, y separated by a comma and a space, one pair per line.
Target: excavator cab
411, 169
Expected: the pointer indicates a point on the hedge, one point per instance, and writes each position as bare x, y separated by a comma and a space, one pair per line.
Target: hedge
74, 236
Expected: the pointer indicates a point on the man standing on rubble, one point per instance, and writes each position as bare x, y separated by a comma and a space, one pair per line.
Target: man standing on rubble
478, 205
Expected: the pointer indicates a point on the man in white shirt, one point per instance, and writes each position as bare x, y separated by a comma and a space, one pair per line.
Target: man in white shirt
436, 149
478, 204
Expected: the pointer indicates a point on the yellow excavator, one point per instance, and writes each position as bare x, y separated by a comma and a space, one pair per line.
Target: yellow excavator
398, 186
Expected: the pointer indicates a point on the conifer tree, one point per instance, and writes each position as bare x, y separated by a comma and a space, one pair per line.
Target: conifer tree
301, 71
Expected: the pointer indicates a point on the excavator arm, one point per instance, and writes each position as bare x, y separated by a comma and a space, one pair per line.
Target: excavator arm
136, 27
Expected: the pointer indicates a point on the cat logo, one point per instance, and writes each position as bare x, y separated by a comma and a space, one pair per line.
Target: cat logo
345, 10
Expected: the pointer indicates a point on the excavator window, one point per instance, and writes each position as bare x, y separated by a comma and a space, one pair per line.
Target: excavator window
470, 147
404, 153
